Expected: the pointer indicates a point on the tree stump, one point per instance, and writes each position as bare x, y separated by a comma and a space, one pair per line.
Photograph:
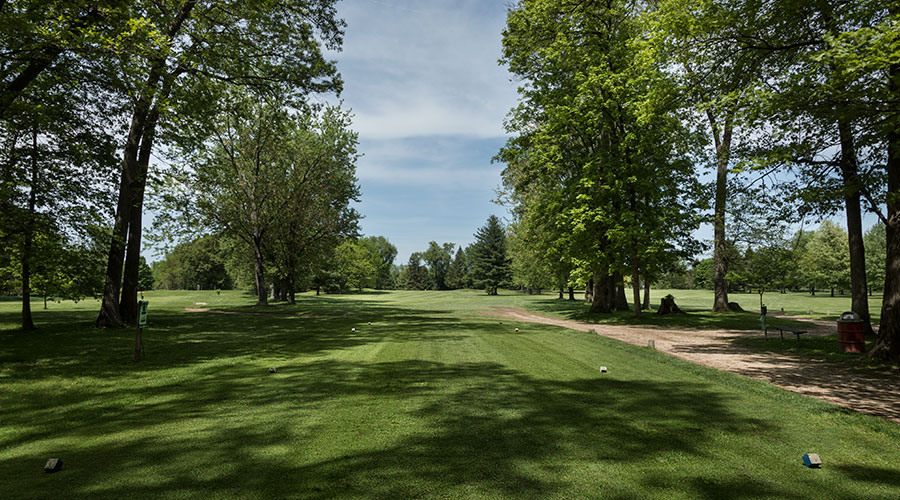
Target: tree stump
668, 306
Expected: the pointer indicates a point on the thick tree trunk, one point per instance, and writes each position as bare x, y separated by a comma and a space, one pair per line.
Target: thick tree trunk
887, 345
109, 308
621, 299
128, 301
262, 292
600, 294
723, 152
589, 291
571, 293
560, 293
27, 320
646, 304
852, 186
611, 291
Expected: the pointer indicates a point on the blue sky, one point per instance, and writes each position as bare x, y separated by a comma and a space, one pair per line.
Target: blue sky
429, 101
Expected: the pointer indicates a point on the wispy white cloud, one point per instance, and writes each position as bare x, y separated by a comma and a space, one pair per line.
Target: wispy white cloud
419, 69
418, 176
429, 101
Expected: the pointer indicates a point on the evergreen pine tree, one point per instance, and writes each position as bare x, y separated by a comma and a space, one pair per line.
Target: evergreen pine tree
456, 273
490, 267
416, 273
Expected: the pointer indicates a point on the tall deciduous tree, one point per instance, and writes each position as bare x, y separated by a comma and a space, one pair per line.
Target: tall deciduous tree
268, 177
438, 259
54, 165
202, 47
696, 38
601, 158
383, 253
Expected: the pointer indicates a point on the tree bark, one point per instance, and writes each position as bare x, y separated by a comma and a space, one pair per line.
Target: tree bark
887, 345
636, 288
646, 305
600, 294
571, 293
27, 320
109, 308
723, 152
621, 303
128, 302
262, 292
852, 186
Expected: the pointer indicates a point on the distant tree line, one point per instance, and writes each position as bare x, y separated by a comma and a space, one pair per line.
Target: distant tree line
484, 264
220, 262
809, 261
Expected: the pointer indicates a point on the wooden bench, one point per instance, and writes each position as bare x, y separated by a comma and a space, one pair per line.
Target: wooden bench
782, 329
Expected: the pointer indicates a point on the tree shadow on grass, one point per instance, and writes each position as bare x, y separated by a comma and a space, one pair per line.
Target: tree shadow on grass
693, 319
348, 305
865, 473
68, 343
406, 429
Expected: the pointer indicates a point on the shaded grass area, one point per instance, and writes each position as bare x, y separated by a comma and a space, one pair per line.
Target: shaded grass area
691, 319
822, 305
820, 348
430, 401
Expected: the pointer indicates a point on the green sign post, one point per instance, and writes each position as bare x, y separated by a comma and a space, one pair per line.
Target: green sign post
142, 322
142, 313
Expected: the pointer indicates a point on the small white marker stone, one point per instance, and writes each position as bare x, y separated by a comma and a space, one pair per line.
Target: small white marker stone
353, 330
370, 323
602, 369
272, 370
651, 344
812, 460
53, 465
517, 330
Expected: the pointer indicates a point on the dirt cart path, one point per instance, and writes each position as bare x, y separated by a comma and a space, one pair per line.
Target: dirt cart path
873, 393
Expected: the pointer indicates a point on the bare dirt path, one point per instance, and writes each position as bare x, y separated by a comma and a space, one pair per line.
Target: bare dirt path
874, 393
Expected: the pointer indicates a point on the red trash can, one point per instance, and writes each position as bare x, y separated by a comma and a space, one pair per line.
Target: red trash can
851, 335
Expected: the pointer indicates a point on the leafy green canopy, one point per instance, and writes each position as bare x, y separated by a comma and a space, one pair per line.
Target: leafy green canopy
600, 163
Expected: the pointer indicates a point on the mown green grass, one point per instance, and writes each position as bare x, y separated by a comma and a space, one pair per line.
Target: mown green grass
433, 400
